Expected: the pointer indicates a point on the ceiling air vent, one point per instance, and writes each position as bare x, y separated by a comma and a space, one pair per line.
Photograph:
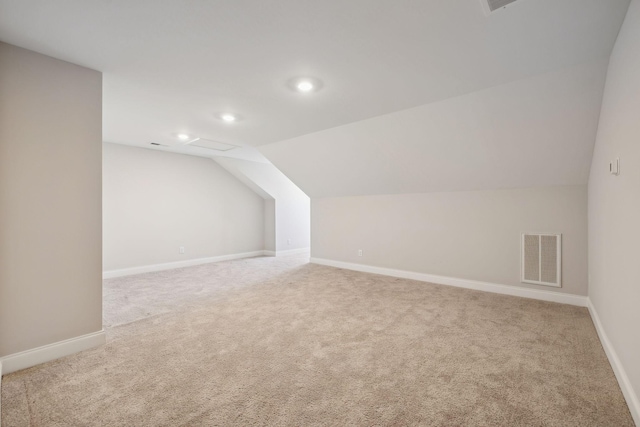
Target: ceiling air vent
493, 5
541, 255
210, 144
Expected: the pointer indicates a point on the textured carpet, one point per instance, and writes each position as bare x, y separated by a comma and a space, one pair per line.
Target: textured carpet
278, 341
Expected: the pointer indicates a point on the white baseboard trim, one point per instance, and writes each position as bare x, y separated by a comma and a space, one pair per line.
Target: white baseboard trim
578, 300
177, 264
0, 392
293, 251
623, 380
288, 252
26, 359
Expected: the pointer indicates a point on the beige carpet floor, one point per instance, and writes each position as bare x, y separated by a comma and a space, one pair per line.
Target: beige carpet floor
278, 341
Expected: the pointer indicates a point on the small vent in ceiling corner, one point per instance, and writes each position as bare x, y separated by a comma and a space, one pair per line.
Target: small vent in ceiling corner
493, 5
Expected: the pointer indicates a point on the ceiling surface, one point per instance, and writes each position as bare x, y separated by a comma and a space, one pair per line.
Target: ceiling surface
171, 66
535, 132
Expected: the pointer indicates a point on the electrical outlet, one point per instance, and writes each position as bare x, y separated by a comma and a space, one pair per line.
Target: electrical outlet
359, 252
288, 241
181, 249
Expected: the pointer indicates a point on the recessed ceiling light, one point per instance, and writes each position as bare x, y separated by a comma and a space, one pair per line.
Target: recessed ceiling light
183, 137
305, 84
229, 118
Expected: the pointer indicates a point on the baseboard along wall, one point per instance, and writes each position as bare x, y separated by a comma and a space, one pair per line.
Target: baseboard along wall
578, 300
28, 358
581, 301
54, 351
177, 264
36, 356
0, 392
191, 262
629, 393
290, 252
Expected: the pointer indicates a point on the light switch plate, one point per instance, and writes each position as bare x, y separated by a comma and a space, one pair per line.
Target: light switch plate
614, 167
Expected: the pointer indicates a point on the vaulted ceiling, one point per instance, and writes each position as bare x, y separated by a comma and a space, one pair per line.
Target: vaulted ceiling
172, 67
535, 132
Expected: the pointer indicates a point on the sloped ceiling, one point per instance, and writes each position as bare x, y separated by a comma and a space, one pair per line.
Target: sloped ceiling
534, 132
171, 65
418, 96
263, 178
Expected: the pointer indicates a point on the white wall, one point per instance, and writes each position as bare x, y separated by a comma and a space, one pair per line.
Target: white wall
614, 205
293, 224
292, 206
154, 202
468, 235
270, 225
50, 205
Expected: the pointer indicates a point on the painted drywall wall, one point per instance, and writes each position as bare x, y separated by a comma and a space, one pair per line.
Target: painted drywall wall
468, 235
614, 203
292, 206
270, 225
534, 132
50, 203
155, 202
293, 224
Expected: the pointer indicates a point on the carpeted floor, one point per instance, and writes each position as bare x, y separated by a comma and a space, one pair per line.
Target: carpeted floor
278, 341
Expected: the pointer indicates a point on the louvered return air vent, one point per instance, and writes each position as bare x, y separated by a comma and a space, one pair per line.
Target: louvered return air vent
490, 6
541, 258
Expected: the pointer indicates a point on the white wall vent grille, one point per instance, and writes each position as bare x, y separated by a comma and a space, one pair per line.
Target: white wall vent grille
541, 258
493, 5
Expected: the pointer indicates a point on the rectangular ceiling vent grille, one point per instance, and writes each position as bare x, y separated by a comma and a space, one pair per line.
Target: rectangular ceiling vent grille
541, 258
493, 5
210, 144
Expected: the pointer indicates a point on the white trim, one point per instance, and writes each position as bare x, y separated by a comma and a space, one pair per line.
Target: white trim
0, 392
26, 359
293, 251
288, 252
177, 264
580, 301
623, 380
